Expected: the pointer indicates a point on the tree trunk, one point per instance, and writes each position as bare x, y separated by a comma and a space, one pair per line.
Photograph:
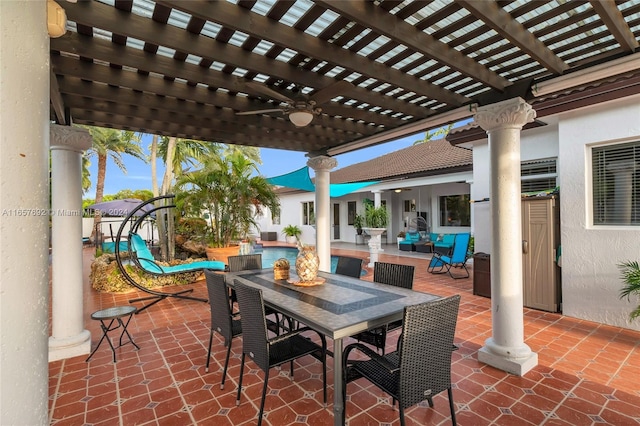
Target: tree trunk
156, 192
97, 218
154, 168
167, 184
166, 229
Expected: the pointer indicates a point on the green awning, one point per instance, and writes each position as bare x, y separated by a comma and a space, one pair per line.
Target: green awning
300, 179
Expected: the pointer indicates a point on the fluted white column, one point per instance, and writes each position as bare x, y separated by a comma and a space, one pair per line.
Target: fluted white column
68, 337
24, 209
322, 166
506, 349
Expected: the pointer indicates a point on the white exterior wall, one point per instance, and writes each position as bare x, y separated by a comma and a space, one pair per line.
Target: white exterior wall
538, 143
425, 191
291, 214
590, 278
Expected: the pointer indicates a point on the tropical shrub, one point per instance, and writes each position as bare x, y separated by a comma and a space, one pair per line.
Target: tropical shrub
228, 194
292, 231
375, 217
631, 278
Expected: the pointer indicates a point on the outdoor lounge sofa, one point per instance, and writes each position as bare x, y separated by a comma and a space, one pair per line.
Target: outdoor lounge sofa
414, 241
409, 242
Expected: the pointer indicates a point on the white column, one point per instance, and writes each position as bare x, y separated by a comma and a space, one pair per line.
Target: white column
506, 349
322, 165
377, 200
68, 337
24, 210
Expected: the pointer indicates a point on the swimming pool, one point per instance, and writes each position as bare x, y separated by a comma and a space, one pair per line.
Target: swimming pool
271, 254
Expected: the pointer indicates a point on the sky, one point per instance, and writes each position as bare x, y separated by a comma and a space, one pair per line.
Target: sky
275, 162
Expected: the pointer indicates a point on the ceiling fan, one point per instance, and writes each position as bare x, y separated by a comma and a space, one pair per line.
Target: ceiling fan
302, 109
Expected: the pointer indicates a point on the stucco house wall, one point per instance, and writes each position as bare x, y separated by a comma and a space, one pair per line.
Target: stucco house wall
590, 276
590, 254
290, 214
424, 191
538, 143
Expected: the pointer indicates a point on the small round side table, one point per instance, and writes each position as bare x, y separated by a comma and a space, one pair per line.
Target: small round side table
117, 315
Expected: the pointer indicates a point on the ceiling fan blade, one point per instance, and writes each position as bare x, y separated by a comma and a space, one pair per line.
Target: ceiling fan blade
260, 111
259, 87
331, 91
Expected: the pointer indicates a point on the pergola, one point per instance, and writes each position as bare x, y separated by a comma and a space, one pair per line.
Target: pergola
243, 72
191, 68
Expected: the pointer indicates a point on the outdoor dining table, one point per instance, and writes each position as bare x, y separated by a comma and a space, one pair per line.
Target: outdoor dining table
340, 307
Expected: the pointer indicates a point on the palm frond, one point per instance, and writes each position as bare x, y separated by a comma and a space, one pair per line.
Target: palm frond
631, 279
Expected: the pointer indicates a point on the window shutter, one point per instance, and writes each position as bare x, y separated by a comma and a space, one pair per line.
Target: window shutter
615, 184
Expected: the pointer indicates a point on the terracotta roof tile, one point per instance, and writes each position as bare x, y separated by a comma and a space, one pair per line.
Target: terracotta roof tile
433, 157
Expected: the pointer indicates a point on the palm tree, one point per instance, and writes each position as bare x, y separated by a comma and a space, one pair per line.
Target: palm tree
429, 136
251, 152
111, 143
232, 194
86, 174
178, 155
187, 153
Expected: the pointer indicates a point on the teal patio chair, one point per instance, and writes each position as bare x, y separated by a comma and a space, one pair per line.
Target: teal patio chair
441, 264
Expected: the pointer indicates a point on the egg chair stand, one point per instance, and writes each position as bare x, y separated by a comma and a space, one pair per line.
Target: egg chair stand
147, 264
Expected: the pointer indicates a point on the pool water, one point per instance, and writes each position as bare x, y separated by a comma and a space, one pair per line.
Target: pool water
271, 254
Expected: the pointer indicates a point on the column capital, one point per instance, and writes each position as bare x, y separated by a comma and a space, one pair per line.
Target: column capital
509, 114
322, 163
69, 138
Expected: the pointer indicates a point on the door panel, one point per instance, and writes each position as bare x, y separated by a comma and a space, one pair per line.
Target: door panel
539, 270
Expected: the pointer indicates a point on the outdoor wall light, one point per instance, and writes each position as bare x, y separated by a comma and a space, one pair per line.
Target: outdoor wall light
300, 118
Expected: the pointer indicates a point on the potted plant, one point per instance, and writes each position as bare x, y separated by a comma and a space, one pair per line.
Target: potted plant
375, 220
631, 277
358, 223
375, 217
227, 193
292, 233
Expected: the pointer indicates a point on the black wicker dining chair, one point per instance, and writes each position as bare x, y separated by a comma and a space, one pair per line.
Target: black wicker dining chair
222, 320
349, 266
421, 366
269, 352
391, 274
247, 262
244, 262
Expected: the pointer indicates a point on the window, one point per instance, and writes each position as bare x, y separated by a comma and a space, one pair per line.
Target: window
409, 205
616, 184
455, 210
275, 219
351, 212
538, 175
308, 214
